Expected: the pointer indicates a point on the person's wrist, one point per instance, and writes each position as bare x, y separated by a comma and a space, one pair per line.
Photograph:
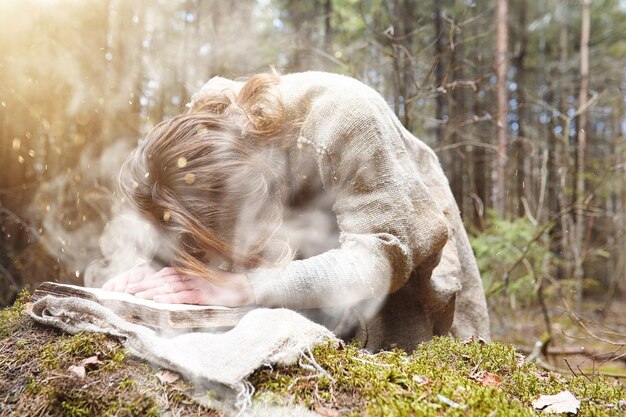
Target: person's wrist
247, 294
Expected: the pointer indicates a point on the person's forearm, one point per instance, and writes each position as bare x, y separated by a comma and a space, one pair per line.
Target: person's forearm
334, 278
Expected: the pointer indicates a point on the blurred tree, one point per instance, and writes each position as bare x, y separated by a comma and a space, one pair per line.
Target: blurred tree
501, 63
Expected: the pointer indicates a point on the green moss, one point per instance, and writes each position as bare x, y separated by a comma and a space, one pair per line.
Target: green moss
126, 383
67, 349
9, 316
124, 401
397, 384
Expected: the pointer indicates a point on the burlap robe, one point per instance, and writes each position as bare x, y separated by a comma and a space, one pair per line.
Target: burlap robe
402, 259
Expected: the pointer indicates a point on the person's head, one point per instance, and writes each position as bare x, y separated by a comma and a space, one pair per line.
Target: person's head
211, 182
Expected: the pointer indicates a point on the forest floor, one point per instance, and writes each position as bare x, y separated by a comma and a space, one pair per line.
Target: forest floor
46, 372
585, 344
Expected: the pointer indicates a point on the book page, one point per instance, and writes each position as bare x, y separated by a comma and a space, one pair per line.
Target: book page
120, 296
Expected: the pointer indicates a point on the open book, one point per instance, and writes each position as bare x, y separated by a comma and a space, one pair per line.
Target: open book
147, 312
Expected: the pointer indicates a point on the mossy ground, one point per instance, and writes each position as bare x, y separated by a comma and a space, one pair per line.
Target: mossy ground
34, 379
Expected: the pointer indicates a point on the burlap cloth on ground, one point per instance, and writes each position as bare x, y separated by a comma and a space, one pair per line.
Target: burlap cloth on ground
217, 361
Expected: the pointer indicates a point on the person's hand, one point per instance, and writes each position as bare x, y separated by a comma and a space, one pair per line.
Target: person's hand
169, 286
134, 275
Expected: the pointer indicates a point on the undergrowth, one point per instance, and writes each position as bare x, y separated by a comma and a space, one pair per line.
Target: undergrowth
397, 384
439, 378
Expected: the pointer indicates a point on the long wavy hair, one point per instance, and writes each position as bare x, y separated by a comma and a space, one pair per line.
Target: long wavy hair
210, 182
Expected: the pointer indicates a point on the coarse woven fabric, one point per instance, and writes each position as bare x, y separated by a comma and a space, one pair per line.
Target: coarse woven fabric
404, 262
208, 360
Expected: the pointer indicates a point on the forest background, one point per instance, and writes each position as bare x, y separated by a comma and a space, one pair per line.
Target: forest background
522, 100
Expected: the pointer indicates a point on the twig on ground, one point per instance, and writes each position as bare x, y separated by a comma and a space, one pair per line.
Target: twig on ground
548, 367
572, 351
579, 321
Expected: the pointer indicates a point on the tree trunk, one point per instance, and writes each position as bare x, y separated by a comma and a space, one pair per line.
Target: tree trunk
581, 150
520, 157
502, 105
618, 258
561, 231
440, 100
328, 28
456, 117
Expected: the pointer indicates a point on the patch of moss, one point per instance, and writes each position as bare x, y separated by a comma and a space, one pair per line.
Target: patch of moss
439, 378
9, 316
35, 379
67, 349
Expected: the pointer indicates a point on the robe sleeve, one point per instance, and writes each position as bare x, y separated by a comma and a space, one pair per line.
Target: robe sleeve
389, 223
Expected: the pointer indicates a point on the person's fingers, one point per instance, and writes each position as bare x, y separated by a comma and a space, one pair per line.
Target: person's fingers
139, 274
154, 281
136, 276
109, 285
119, 283
164, 272
166, 287
183, 297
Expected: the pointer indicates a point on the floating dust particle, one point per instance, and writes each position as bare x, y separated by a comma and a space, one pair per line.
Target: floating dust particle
202, 130
77, 274
32, 153
147, 175
4, 104
21, 159
190, 178
338, 54
182, 162
166, 215
135, 184
79, 139
17, 144
48, 207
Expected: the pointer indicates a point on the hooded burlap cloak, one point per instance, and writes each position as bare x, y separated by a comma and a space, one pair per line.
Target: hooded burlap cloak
403, 270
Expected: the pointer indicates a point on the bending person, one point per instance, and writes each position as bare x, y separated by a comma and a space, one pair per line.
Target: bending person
305, 191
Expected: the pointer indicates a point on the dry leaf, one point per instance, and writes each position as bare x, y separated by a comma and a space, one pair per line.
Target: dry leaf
167, 377
474, 339
327, 412
91, 361
563, 402
487, 378
422, 380
79, 371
